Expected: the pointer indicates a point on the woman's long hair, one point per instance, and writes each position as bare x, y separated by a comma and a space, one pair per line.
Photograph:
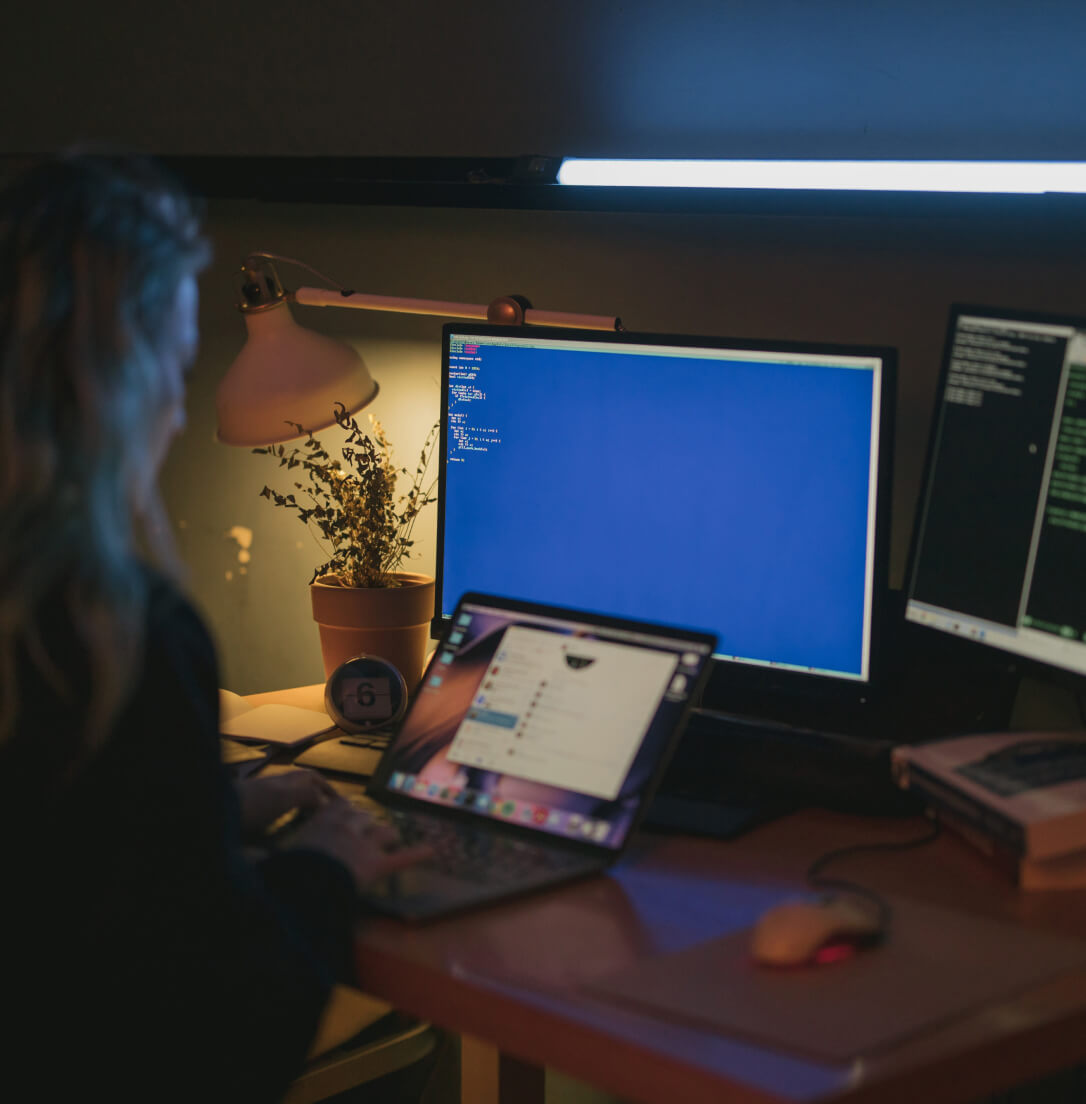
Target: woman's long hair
93, 249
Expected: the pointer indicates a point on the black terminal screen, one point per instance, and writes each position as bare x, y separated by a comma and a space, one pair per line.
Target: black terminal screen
1001, 536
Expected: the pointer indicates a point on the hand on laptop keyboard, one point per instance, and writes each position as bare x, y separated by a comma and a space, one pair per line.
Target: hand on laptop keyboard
367, 849
271, 801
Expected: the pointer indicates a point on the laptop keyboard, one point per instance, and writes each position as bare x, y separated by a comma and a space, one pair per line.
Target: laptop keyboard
474, 856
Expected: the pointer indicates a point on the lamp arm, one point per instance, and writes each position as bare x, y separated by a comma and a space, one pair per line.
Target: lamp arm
324, 297
576, 321
507, 309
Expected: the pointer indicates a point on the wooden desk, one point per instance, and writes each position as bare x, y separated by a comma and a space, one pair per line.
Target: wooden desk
509, 975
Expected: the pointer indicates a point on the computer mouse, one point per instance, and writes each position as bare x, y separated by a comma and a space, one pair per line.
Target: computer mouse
815, 931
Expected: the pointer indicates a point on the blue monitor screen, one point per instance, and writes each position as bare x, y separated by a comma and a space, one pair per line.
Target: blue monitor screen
724, 486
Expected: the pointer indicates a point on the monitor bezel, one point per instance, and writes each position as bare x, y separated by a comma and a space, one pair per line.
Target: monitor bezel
1009, 662
734, 685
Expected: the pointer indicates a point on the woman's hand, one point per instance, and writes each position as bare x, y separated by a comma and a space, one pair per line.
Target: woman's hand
267, 797
366, 848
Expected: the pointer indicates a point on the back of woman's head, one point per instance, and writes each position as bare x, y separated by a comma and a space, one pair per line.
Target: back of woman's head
93, 250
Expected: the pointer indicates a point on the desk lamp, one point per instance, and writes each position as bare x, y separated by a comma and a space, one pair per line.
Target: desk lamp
286, 373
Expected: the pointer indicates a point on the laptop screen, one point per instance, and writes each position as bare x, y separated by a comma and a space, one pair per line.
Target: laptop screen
551, 720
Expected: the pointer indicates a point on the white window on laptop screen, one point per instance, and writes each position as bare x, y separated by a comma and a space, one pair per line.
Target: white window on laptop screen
562, 710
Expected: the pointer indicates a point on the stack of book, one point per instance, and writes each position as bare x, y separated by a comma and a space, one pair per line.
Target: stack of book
1020, 797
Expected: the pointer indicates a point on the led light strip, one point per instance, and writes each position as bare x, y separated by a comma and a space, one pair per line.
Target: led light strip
999, 177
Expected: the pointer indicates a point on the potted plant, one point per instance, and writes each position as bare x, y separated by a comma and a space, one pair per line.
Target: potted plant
363, 602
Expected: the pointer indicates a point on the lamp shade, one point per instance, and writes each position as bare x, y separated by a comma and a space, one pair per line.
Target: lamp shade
286, 373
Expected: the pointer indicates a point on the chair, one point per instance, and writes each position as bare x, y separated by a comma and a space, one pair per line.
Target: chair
360, 1039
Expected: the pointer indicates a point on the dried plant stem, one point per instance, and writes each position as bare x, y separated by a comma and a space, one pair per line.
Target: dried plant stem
352, 504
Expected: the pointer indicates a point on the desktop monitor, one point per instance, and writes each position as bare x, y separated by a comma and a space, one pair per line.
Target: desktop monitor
735, 486
1000, 538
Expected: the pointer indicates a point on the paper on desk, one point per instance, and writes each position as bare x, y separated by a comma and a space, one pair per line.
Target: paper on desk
232, 753
276, 724
232, 705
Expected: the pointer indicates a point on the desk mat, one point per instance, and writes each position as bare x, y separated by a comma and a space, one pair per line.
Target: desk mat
936, 965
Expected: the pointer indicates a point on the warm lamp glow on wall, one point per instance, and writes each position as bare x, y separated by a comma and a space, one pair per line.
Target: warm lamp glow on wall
286, 373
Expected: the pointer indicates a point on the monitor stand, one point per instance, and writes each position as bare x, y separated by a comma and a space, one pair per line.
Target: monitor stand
731, 773
695, 815
774, 753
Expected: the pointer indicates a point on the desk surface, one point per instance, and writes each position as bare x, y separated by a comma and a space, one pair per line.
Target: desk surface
512, 974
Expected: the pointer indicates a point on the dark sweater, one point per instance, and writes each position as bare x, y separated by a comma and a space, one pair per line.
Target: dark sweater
146, 957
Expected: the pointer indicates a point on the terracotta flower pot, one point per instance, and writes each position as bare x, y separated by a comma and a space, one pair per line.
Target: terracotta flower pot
390, 622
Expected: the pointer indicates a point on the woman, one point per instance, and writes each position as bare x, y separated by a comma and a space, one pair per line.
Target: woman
146, 956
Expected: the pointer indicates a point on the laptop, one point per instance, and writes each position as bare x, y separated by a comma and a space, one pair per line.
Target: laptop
531, 748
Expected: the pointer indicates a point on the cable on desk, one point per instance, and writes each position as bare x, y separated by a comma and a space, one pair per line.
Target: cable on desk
817, 880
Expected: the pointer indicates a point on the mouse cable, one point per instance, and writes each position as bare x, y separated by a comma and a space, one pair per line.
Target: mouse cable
818, 880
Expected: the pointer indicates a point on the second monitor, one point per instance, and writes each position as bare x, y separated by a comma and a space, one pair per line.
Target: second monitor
738, 486
1002, 525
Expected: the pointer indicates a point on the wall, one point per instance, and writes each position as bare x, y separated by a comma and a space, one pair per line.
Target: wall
864, 78
884, 281
696, 78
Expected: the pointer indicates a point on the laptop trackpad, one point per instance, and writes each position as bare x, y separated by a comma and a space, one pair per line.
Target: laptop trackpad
425, 890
